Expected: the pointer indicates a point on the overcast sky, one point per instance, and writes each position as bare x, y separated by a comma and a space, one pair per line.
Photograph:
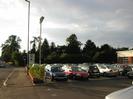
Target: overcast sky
102, 21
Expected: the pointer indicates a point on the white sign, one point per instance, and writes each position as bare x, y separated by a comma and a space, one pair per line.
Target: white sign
31, 58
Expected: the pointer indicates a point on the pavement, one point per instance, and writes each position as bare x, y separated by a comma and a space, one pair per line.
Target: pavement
19, 86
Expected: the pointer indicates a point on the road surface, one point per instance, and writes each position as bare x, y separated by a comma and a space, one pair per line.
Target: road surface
4, 72
19, 86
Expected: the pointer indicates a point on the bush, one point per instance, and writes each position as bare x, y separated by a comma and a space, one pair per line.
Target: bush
37, 71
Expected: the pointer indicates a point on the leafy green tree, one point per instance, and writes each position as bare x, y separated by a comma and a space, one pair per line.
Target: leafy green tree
106, 54
52, 47
53, 58
89, 50
73, 45
123, 49
61, 49
73, 52
34, 44
12, 44
16, 57
35, 48
45, 50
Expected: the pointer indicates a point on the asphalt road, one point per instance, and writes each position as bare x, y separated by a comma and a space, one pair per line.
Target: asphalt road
19, 86
4, 72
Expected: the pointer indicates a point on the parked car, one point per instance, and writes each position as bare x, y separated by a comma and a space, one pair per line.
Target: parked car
93, 71
126, 93
103, 69
75, 72
130, 74
2, 64
119, 67
84, 66
113, 71
55, 72
126, 70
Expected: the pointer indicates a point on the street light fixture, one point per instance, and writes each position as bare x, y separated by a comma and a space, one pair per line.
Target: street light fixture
28, 31
41, 20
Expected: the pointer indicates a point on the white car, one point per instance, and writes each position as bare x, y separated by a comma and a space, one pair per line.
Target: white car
102, 68
126, 93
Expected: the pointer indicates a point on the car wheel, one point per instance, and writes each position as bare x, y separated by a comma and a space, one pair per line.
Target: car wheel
52, 78
70, 76
104, 74
98, 76
66, 79
130, 77
74, 77
87, 78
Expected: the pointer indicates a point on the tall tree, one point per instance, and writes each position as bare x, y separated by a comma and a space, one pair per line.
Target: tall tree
34, 44
61, 49
12, 44
52, 47
73, 45
45, 50
89, 51
123, 49
73, 51
106, 54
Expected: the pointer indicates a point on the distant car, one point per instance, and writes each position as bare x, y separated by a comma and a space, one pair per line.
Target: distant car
126, 70
103, 69
113, 71
94, 71
2, 66
55, 72
126, 93
119, 67
130, 74
75, 72
84, 66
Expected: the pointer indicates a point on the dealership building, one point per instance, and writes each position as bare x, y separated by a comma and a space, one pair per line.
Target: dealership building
125, 57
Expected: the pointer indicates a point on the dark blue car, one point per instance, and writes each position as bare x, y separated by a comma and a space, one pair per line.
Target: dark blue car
54, 72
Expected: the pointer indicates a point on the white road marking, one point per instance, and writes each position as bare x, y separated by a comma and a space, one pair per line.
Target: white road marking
5, 82
54, 95
49, 89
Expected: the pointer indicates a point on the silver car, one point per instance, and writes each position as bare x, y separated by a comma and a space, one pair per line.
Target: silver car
126, 93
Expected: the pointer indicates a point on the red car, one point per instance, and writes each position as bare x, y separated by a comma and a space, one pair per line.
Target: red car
75, 72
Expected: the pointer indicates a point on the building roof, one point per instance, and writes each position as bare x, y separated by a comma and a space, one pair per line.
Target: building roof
128, 53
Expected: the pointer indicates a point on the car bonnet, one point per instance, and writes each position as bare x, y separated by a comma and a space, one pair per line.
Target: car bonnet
126, 93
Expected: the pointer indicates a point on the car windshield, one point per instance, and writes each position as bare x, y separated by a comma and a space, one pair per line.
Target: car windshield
93, 67
102, 66
77, 69
56, 69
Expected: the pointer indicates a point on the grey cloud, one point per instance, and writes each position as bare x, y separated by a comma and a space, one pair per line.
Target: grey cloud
94, 18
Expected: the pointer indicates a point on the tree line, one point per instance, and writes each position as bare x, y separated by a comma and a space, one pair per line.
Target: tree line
71, 52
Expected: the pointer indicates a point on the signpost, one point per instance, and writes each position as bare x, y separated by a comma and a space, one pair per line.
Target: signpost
31, 58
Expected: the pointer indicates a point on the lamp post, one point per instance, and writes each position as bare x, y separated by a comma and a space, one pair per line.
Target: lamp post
41, 20
28, 31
